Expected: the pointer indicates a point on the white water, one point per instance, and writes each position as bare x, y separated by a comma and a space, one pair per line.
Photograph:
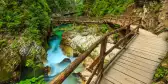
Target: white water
57, 61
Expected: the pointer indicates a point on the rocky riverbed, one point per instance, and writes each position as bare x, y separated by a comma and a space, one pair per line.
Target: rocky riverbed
81, 38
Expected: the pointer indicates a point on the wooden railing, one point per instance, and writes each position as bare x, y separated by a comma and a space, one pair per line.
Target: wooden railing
97, 67
121, 20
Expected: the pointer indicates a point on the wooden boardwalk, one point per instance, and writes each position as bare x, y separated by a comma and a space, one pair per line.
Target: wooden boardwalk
138, 63
135, 63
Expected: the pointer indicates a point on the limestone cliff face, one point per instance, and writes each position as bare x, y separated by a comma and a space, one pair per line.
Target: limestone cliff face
15, 52
154, 16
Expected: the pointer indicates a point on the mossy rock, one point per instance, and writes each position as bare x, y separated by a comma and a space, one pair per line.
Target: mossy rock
4, 76
68, 51
3, 43
9, 61
10, 56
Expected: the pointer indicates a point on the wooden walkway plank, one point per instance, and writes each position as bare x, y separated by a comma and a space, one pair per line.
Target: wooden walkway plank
153, 42
137, 64
123, 78
105, 81
150, 45
150, 37
130, 73
152, 50
135, 70
111, 80
133, 51
147, 53
153, 58
150, 40
136, 58
161, 46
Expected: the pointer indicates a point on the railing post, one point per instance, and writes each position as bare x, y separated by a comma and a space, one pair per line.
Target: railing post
102, 56
102, 52
100, 64
140, 25
127, 31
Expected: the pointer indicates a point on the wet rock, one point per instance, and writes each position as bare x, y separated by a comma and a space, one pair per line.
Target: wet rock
68, 51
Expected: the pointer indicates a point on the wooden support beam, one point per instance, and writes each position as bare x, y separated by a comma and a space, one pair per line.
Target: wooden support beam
86, 20
102, 57
90, 68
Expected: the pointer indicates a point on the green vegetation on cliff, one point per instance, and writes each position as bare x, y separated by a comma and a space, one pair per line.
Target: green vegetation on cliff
17, 15
161, 74
23, 25
103, 7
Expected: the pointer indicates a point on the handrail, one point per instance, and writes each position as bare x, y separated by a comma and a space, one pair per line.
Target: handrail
114, 20
107, 52
66, 72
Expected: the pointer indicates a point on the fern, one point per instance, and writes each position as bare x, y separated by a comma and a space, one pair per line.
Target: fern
34, 80
103, 7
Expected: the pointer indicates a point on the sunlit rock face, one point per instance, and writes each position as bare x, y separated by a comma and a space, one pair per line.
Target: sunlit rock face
82, 38
154, 15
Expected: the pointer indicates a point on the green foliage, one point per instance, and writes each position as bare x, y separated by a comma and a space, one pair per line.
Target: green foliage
61, 6
103, 7
30, 63
155, 6
104, 28
115, 37
116, 26
19, 15
33, 34
34, 80
79, 7
15, 44
161, 72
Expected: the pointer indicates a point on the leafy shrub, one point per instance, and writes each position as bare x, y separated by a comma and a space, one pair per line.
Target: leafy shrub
33, 34
34, 80
20, 14
161, 72
61, 6
104, 28
103, 7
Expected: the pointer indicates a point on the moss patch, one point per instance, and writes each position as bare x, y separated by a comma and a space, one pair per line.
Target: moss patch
161, 74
